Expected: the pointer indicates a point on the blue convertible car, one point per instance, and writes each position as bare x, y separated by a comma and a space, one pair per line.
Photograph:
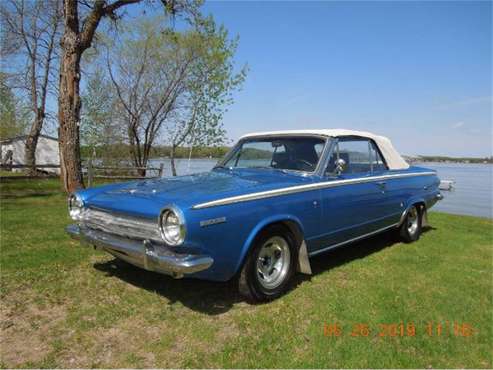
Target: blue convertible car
275, 200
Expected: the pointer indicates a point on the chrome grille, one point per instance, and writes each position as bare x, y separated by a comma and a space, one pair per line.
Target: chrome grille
122, 225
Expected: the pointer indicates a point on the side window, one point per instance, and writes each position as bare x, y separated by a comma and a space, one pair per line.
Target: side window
318, 148
360, 155
356, 155
376, 159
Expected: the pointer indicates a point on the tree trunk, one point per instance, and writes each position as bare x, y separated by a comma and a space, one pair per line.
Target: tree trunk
32, 143
74, 41
136, 154
143, 163
69, 112
172, 157
141, 172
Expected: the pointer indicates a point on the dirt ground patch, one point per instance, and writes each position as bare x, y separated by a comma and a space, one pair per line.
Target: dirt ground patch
134, 342
26, 331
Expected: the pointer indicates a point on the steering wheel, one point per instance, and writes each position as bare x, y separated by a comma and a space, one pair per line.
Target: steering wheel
305, 165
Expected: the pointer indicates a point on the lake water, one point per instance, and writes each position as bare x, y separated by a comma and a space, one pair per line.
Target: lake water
472, 195
473, 191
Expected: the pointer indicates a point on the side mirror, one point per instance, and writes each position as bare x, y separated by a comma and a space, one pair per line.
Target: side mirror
340, 166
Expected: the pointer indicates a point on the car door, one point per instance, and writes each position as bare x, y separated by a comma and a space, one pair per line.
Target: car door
352, 201
390, 207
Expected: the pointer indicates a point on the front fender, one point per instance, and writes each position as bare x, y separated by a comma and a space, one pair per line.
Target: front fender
247, 245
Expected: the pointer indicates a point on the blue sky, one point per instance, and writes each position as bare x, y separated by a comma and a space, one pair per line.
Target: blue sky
418, 72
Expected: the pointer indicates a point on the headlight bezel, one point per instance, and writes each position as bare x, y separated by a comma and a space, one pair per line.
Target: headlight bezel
164, 215
75, 206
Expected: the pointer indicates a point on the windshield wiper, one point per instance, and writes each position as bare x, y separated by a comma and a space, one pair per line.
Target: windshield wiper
222, 167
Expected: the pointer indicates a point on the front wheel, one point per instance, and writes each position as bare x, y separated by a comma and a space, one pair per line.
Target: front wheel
269, 266
410, 229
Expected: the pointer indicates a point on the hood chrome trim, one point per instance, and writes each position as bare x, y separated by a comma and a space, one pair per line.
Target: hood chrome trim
303, 188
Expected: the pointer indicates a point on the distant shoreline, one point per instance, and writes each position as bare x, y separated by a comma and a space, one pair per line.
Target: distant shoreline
453, 162
441, 159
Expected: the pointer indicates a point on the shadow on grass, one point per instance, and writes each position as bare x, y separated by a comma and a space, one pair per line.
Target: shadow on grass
208, 297
354, 251
214, 298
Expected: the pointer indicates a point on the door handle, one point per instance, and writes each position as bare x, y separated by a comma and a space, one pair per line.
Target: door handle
381, 184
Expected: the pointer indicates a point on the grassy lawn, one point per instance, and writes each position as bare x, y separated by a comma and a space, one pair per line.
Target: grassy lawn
10, 173
63, 305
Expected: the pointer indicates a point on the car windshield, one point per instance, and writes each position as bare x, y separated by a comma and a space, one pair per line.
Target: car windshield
299, 153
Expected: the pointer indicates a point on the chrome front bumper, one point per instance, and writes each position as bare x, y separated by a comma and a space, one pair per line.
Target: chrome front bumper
145, 254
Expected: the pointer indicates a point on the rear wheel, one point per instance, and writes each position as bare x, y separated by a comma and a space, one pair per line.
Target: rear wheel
269, 266
410, 229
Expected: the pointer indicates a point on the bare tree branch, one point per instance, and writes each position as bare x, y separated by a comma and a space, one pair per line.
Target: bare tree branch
99, 10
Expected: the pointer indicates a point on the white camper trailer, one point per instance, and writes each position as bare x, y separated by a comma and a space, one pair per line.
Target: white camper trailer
46, 152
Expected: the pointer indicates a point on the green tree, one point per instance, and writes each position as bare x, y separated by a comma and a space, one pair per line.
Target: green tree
148, 68
172, 85
210, 85
100, 129
14, 117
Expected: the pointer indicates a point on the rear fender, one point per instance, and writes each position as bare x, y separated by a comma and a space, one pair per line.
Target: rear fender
422, 208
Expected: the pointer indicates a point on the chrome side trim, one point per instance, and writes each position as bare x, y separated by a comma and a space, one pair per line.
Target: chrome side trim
314, 253
302, 188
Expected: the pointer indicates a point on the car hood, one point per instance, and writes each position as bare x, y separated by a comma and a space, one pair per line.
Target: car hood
147, 197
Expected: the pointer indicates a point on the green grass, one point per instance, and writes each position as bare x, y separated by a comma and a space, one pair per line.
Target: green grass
63, 305
11, 173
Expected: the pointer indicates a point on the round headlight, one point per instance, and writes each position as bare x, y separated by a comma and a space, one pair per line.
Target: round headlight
75, 206
172, 226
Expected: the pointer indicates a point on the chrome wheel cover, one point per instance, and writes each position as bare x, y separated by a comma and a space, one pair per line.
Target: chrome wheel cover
412, 221
273, 262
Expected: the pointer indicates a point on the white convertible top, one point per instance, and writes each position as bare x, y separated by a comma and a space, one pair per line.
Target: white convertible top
392, 157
